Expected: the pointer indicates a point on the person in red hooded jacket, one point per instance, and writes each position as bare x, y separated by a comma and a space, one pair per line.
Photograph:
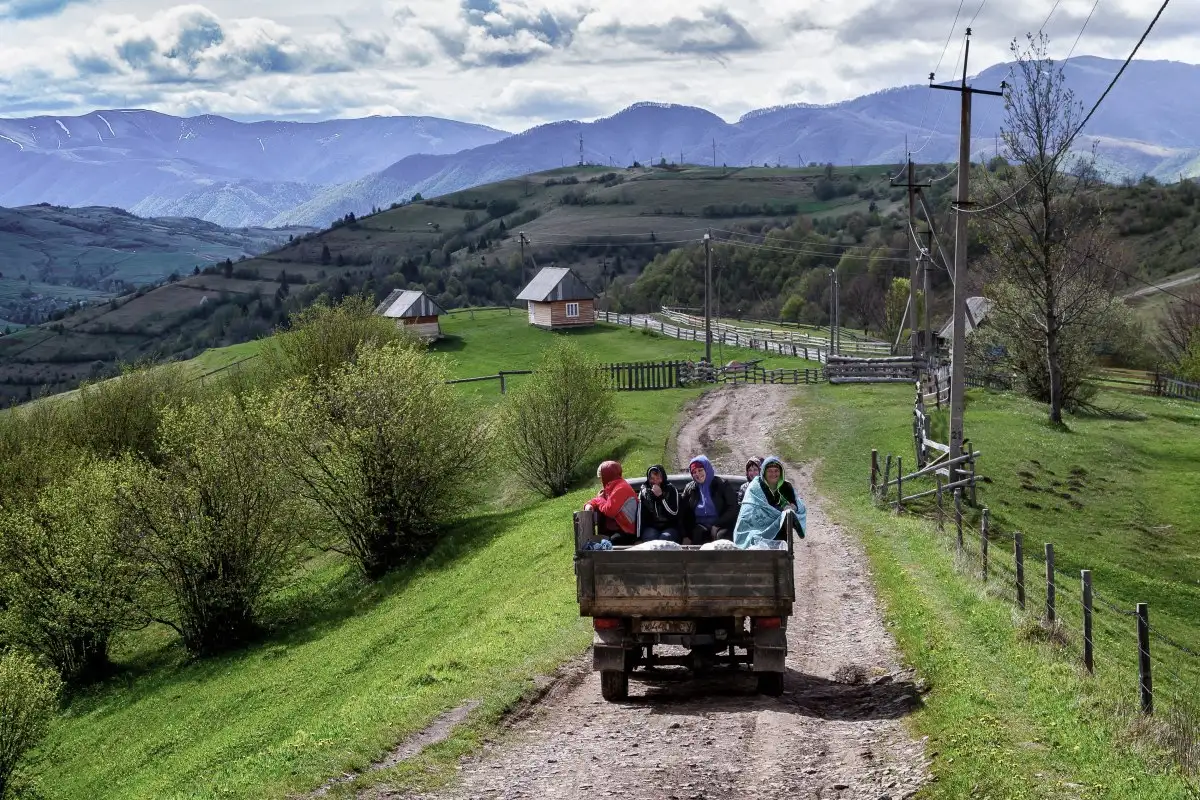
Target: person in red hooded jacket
616, 505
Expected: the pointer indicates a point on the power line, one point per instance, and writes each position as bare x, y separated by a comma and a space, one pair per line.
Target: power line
936, 67
981, 5
1081, 30
1080, 127
756, 246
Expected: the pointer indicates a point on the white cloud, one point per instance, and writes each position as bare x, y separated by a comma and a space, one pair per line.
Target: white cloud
517, 63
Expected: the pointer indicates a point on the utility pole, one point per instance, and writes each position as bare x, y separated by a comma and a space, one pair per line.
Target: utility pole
958, 366
523, 241
913, 278
707, 295
834, 312
581, 149
930, 349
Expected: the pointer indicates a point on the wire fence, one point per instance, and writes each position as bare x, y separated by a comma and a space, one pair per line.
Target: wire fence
1152, 678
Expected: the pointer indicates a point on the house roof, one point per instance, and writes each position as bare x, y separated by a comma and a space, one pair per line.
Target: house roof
556, 283
401, 304
977, 311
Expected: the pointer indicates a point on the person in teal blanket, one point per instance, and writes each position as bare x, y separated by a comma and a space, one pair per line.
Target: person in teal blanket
760, 518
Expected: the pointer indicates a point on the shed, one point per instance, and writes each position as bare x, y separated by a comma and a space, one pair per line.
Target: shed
414, 312
977, 311
559, 299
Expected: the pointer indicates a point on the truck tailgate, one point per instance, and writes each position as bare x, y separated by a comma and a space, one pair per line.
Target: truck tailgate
685, 583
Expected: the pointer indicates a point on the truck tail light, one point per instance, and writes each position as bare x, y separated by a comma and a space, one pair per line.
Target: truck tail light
768, 623
606, 623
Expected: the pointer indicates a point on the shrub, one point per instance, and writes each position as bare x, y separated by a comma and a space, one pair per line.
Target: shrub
548, 425
385, 449
28, 700
324, 337
123, 415
68, 586
214, 528
34, 449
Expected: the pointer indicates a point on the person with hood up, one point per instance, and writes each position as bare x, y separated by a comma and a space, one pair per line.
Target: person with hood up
709, 504
753, 467
660, 507
616, 504
768, 497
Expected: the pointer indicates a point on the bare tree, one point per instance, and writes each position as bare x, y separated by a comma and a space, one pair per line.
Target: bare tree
1051, 254
1181, 328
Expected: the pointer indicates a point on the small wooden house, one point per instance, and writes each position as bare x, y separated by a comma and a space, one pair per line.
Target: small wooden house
413, 311
559, 299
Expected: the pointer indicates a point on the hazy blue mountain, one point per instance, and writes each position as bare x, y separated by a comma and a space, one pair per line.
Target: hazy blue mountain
146, 160
312, 173
1142, 127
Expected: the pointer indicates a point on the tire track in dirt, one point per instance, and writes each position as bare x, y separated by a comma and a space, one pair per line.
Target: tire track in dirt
836, 733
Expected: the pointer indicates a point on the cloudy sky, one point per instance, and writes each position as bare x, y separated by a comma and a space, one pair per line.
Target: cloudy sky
516, 63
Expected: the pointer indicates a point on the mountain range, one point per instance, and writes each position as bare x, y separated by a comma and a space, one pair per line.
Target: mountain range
288, 173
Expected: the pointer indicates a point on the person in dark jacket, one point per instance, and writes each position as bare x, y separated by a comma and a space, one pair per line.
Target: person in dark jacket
709, 504
659, 507
753, 467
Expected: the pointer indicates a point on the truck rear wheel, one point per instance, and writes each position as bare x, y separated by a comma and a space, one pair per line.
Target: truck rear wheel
614, 685
770, 683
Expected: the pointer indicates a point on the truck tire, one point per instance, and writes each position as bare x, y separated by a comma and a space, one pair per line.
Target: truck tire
770, 683
614, 685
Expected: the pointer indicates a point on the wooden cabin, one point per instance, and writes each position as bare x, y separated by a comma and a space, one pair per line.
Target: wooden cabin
558, 299
414, 312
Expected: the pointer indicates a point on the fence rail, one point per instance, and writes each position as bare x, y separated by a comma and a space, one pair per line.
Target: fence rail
732, 339
856, 345
850, 369
1166, 386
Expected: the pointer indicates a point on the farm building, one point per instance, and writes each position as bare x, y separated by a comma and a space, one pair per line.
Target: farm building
413, 311
558, 299
977, 311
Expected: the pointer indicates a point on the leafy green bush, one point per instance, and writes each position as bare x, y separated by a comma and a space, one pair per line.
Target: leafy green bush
28, 700
213, 527
385, 449
561, 413
323, 337
35, 449
123, 415
69, 587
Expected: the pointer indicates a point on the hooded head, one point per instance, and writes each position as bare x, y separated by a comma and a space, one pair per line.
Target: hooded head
702, 461
772, 461
660, 469
608, 472
756, 463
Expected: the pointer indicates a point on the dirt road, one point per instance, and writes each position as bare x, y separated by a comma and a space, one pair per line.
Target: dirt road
835, 733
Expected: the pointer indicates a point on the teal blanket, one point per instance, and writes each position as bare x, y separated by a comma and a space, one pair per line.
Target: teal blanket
758, 521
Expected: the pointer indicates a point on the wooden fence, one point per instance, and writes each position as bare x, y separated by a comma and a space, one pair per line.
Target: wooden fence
752, 373
1166, 386
731, 339
855, 345
1157, 687
648, 375
851, 369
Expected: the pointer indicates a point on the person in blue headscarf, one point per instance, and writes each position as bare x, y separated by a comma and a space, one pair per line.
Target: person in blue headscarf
760, 517
708, 504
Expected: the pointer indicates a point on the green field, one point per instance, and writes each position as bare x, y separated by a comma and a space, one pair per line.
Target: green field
351, 669
1006, 705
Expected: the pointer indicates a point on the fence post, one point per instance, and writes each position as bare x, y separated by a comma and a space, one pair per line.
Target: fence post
501, 383
941, 513
958, 516
1088, 653
899, 484
874, 463
1145, 679
1019, 557
1050, 587
974, 497
887, 477
983, 543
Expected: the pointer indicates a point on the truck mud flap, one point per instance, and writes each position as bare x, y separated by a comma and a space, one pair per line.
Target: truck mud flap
770, 650
608, 650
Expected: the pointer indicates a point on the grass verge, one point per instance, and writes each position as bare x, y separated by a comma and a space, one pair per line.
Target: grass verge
1011, 714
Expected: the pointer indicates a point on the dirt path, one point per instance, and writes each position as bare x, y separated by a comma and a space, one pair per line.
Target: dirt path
835, 733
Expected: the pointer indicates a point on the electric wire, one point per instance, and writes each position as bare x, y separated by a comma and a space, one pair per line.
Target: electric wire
1079, 128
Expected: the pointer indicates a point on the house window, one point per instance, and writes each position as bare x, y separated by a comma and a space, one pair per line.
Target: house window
572, 309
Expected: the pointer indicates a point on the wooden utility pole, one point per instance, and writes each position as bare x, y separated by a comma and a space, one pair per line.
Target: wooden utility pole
523, 241
930, 349
707, 296
958, 366
914, 276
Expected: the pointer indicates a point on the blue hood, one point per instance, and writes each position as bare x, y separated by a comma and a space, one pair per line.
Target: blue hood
703, 461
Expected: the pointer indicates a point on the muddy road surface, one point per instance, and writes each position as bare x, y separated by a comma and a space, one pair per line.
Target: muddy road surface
837, 731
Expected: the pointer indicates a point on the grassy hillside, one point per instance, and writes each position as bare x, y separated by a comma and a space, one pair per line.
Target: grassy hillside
450, 246
1117, 495
350, 669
